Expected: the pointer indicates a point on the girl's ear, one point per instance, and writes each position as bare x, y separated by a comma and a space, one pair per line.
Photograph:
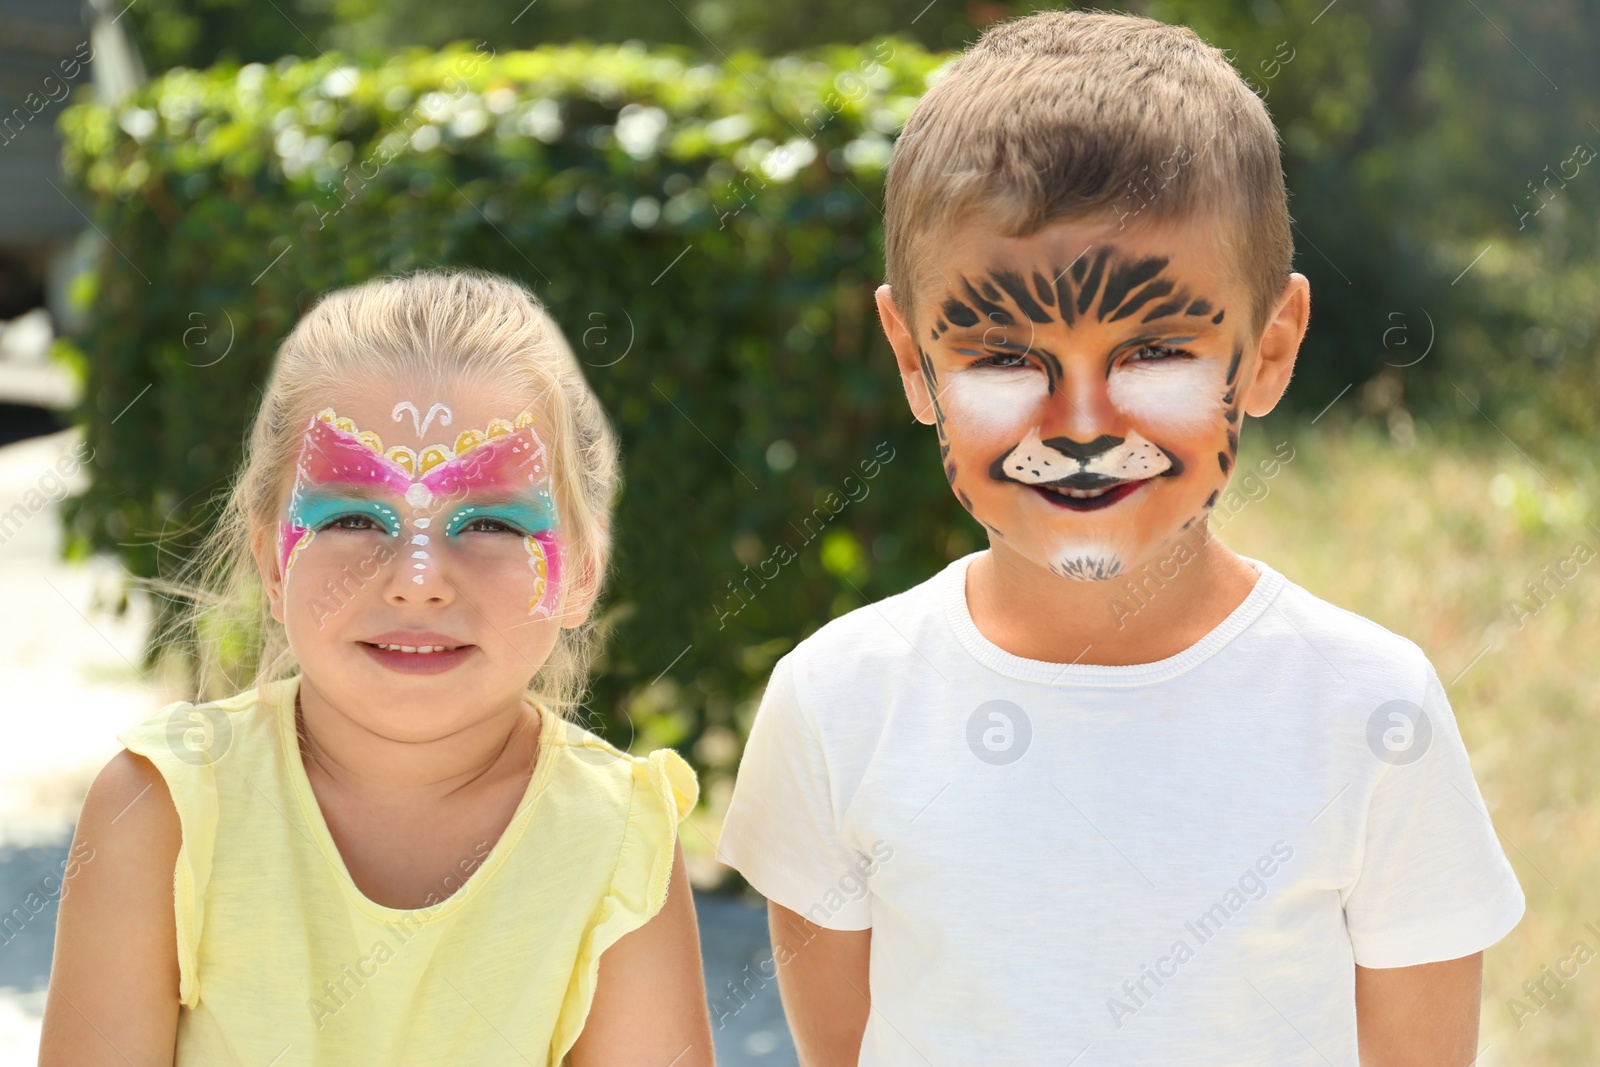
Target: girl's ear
583, 590
265, 550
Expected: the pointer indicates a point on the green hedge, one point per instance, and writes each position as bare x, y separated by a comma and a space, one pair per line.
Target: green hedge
708, 236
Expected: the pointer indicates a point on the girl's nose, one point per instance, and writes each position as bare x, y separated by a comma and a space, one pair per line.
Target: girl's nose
417, 574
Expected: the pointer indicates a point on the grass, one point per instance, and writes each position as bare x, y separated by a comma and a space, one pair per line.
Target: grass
1437, 541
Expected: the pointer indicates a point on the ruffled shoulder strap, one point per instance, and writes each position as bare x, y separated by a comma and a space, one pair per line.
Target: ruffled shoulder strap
672, 791
664, 791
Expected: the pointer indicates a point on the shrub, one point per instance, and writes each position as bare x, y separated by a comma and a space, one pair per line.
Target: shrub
708, 236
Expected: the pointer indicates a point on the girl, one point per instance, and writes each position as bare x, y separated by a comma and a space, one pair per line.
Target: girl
394, 849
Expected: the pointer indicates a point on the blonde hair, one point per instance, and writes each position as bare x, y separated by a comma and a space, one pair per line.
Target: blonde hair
1058, 115
433, 325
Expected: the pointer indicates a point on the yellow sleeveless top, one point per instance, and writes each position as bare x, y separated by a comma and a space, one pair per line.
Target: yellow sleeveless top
283, 961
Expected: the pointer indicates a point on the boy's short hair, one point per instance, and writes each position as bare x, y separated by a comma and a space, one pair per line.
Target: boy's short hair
1077, 114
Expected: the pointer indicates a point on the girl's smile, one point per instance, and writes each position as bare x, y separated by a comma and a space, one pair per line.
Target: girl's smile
407, 659
418, 652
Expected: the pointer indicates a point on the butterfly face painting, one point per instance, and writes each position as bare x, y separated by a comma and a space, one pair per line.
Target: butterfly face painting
460, 503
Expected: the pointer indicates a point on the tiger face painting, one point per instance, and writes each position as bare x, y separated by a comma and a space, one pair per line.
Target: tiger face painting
1087, 384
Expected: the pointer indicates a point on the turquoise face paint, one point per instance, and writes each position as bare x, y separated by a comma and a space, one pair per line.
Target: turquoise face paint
317, 511
524, 517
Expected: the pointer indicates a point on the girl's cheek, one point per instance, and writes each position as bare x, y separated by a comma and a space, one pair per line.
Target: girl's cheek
1182, 397
544, 560
290, 538
524, 569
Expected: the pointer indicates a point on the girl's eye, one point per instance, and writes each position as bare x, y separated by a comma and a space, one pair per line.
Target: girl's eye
323, 513
519, 518
488, 526
350, 522
1157, 353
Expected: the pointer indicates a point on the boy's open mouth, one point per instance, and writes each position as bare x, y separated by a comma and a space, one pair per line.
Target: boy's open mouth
1063, 496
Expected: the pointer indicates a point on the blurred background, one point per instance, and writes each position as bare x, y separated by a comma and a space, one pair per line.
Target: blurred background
695, 189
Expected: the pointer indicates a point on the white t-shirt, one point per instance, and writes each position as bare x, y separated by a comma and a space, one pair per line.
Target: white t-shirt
1177, 862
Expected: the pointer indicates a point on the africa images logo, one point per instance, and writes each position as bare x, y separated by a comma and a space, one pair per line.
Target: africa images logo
1399, 732
999, 732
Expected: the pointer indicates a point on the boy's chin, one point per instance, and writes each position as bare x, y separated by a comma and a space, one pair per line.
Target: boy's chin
1092, 560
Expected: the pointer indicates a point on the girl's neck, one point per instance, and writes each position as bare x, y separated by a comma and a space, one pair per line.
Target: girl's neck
387, 771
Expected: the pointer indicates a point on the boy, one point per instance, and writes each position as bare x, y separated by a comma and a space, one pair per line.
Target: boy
1107, 792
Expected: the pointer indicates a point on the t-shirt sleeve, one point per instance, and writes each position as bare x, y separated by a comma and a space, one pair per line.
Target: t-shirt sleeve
163, 738
782, 830
663, 791
1434, 883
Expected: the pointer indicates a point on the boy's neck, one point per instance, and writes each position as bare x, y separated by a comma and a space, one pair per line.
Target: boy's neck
1029, 612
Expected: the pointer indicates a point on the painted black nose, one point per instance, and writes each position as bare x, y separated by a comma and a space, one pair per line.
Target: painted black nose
1083, 451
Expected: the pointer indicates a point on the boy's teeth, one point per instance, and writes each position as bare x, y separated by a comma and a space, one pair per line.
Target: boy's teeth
1084, 493
417, 648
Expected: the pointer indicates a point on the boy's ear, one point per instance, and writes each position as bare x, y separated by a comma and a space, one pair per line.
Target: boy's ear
1280, 343
906, 354
264, 549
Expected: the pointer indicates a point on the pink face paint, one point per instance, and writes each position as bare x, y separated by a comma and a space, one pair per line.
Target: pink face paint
508, 465
331, 457
496, 475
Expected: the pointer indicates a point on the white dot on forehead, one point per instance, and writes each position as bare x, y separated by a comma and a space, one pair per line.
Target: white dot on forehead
422, 524
418, 495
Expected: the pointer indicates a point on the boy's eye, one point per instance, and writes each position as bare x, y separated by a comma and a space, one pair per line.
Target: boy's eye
1002, 360
1157, 353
